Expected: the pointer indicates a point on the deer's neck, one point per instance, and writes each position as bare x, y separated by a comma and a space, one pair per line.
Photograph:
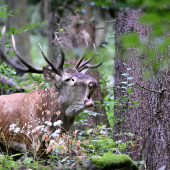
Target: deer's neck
57, 108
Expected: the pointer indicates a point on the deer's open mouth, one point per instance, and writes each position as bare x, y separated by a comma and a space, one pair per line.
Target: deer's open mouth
88, 101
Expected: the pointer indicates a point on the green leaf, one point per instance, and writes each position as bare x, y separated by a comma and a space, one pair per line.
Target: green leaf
77, 118
105, 3
27, 160
6, 85
131, 143
44, 22
37, 78
129, 90
18, 154
30, 74
136, 102
60, 30
25, 26
101, 80
12, 29
16, 11
13, 86
67, 64
10, 12
13, 53
114, 117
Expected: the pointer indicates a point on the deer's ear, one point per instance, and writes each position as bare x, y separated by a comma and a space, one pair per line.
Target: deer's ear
50, 76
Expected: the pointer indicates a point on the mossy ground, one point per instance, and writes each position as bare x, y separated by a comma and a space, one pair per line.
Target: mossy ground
116, 161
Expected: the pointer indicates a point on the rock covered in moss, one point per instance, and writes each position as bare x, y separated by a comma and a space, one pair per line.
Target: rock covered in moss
109, 162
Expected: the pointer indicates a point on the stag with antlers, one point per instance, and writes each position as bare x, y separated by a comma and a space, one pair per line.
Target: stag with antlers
53, 110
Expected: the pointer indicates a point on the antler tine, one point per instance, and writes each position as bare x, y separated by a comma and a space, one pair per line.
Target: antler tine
2, 52
79, 62
62, 53
87, 61
3, 40
84, 66
77, 66
4, 57
49, 62
82, 58
15, 65
90, 66
30, 68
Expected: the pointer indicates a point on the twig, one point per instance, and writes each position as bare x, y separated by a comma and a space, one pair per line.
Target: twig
99, 28
111, 21
147, 88
111, 37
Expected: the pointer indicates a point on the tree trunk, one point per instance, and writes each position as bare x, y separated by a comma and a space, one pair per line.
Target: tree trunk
71, 40
19, 19
150, 119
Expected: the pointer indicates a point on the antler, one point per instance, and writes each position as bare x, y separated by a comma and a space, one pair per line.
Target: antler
15, 65
90, 66
3, 56
62, 53
48, 61
81, 66
59, 69
30, 69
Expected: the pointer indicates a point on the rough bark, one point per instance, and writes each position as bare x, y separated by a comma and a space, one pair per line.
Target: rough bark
71, 40
135, 117
149, 120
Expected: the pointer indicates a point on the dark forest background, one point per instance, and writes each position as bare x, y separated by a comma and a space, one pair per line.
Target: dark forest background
131, 114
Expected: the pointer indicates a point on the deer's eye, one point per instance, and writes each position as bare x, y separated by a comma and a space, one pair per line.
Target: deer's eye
68, 79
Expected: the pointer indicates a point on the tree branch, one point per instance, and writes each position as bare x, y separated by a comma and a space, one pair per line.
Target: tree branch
111, 37
148, 89
111, 21
99, 28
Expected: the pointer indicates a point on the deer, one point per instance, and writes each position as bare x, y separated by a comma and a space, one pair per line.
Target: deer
52, 110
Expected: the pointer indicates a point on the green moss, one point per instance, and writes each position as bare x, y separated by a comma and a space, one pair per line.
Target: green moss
115, 161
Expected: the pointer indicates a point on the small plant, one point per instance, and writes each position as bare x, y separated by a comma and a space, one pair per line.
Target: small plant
108, 97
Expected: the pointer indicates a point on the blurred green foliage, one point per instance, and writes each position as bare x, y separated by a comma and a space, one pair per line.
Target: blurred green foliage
156, 16
102, 3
